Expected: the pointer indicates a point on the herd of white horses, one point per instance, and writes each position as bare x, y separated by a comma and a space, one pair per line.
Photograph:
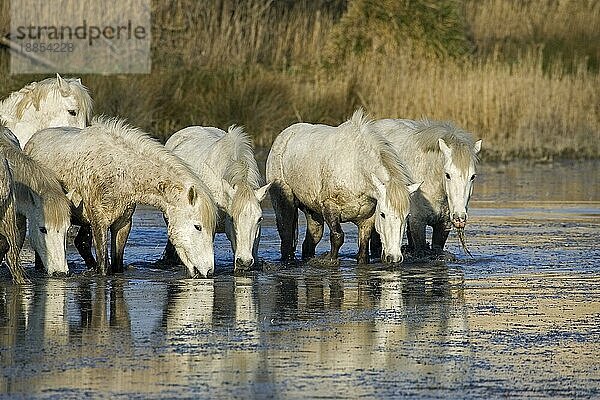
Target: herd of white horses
61, 167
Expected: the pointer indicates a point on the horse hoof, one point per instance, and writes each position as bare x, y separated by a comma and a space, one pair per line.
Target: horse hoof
59, 275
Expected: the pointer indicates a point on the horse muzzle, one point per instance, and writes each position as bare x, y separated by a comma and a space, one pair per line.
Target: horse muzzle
459, 220
391, 259
242, 265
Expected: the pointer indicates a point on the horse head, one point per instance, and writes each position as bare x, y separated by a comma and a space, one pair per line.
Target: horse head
65, 107
49, 221
243, 224
191, 229
459, 175
391, 211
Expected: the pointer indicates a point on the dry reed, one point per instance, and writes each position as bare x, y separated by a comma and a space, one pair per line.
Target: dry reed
264, 65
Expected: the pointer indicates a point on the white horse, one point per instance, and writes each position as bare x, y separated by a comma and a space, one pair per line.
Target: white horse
338, 174
50, 103
225, 163
42, 202
8, 224
112, 167
444, 157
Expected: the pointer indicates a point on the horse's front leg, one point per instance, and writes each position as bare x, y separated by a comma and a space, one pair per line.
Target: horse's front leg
336, 235
100, 235
83, 243
439, 237
314, 233
365, 228
119, 231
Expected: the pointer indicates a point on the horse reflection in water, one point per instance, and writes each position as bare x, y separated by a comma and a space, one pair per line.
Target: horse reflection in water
238, 332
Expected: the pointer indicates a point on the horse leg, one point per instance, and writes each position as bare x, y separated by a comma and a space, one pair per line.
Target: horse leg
314, 233
4, 246
100, 234
336, 235
170, 255
364, 234
439, 237
83, 244
286, 215
375, 245
119, 232
417, 235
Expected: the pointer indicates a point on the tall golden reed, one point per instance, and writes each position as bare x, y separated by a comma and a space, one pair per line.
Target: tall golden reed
530, 89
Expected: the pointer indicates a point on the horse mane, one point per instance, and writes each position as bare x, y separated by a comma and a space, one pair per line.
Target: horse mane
137, 141
33, 179
242, 171
33, 93
236, 145
428, 133
398, 176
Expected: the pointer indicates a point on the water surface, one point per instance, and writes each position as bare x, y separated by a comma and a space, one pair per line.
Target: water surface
521, 318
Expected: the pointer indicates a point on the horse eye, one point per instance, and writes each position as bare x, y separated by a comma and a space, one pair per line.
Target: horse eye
447, 175
473, 177
72, 112
382, 215
198, 228
43, 230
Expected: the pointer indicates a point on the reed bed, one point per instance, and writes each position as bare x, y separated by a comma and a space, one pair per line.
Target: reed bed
524, 78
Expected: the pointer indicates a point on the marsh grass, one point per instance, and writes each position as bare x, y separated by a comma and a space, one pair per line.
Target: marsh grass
521, 75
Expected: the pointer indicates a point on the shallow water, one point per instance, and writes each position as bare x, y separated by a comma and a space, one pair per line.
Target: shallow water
522, 318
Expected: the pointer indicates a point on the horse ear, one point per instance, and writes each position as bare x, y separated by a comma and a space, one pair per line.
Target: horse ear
192, 195
63, 85
261, 192
477, 147
227, 188
444, 148
74, 197
414, 187
379, 185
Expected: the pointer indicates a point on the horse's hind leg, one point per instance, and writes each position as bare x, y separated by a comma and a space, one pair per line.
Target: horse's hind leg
314, 233
4, 246
417, 236
119, 231
83, 244
336, 235
364, 234
286, 215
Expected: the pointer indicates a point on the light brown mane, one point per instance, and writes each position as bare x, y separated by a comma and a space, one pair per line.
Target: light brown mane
33, 179
236, 145
396, 187
429, 132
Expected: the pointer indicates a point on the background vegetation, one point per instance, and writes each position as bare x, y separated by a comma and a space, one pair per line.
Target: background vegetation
521, 74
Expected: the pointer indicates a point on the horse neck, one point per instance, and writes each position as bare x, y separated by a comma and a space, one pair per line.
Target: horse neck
213, 181
158, 189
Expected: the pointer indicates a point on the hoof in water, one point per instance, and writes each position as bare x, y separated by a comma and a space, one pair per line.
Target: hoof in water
324, 260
